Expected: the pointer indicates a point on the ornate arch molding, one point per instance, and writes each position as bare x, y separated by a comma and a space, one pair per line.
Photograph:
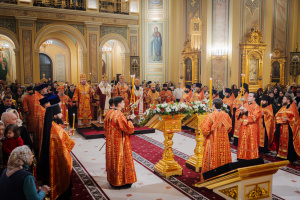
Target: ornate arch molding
54, 28
119, 39
11, 36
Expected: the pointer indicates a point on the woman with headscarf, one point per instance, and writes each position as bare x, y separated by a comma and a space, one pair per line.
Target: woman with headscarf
56, 161
18, 183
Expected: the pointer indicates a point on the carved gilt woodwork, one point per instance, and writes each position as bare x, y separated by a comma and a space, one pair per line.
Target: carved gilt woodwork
252, 59
278, 61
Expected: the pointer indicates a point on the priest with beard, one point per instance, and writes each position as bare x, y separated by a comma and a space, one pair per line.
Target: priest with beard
267, 125
249, 115
228, 100
166, 95
199, 93
297, 100
56, 161
153, 97
103, 97
123, 90
188, 95
287, 128
138, 92
28, 107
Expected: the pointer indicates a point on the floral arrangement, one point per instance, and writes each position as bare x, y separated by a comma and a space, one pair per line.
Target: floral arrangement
172, 108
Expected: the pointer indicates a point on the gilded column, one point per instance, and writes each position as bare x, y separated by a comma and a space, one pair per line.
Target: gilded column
134, 50
195, 60
18, 66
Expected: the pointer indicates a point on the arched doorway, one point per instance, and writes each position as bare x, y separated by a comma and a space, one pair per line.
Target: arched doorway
59, 54
113, 55
45, 66
7, 59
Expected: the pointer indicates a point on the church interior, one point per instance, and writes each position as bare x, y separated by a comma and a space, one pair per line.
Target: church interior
217, 44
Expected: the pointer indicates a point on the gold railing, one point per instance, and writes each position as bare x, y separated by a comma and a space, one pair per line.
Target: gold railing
114, 6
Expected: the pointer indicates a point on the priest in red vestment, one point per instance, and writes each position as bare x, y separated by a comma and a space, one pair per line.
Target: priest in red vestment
28, 107
153, 97
215, 128
287, 119
123, 90
119, 161
188, 95
249, 115
199, 93
65, 101
104, 94
267, 125
166, 95
82, 99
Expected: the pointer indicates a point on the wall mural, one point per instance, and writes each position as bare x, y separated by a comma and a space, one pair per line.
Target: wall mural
133, 46
27, 57
5, 64
193, 8
155, 42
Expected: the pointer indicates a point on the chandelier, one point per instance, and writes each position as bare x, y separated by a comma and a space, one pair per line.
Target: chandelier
106, 49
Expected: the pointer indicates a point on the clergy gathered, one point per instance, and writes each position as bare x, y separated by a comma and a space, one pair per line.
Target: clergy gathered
39, 121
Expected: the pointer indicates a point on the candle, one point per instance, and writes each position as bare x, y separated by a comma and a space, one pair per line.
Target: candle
210, 92
91, 77
67, 116
73, 120
242, 85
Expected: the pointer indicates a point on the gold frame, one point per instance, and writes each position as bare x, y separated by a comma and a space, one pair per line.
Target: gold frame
278, 56
257, 184
254, 47
194, 56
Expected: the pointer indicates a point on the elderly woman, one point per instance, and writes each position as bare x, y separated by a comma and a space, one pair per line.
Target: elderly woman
16, 182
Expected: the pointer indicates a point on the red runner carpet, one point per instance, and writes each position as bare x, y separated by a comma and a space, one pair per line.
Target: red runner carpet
78, 191
145, 149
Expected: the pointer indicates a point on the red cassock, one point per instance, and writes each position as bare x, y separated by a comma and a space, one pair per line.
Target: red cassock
119, 160
270, 126
215, 128
123, 91
249, 128
187, 97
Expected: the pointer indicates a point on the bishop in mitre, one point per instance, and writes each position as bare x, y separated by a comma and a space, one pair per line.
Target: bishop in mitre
103, 95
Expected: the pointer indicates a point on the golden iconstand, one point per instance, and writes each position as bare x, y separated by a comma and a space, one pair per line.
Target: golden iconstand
195, 161
167, 166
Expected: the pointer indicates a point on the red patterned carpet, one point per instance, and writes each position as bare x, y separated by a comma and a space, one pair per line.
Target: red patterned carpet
79, 192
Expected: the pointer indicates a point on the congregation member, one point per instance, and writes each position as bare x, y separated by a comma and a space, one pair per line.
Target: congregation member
178, 92
16, 182
215, 128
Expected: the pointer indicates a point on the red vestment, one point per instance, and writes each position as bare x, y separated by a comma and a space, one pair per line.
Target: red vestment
119, 161
60, 160
28, 106
215, 128
65, 103
152, 98
249, 128
293, 122
123, 91
187, 97
166, 96
237, 123
104, 95
199, 96
38, 120
82, 96
229, 102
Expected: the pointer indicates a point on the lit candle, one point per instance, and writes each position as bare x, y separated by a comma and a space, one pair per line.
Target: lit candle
210, 92
67, 115
73, 120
